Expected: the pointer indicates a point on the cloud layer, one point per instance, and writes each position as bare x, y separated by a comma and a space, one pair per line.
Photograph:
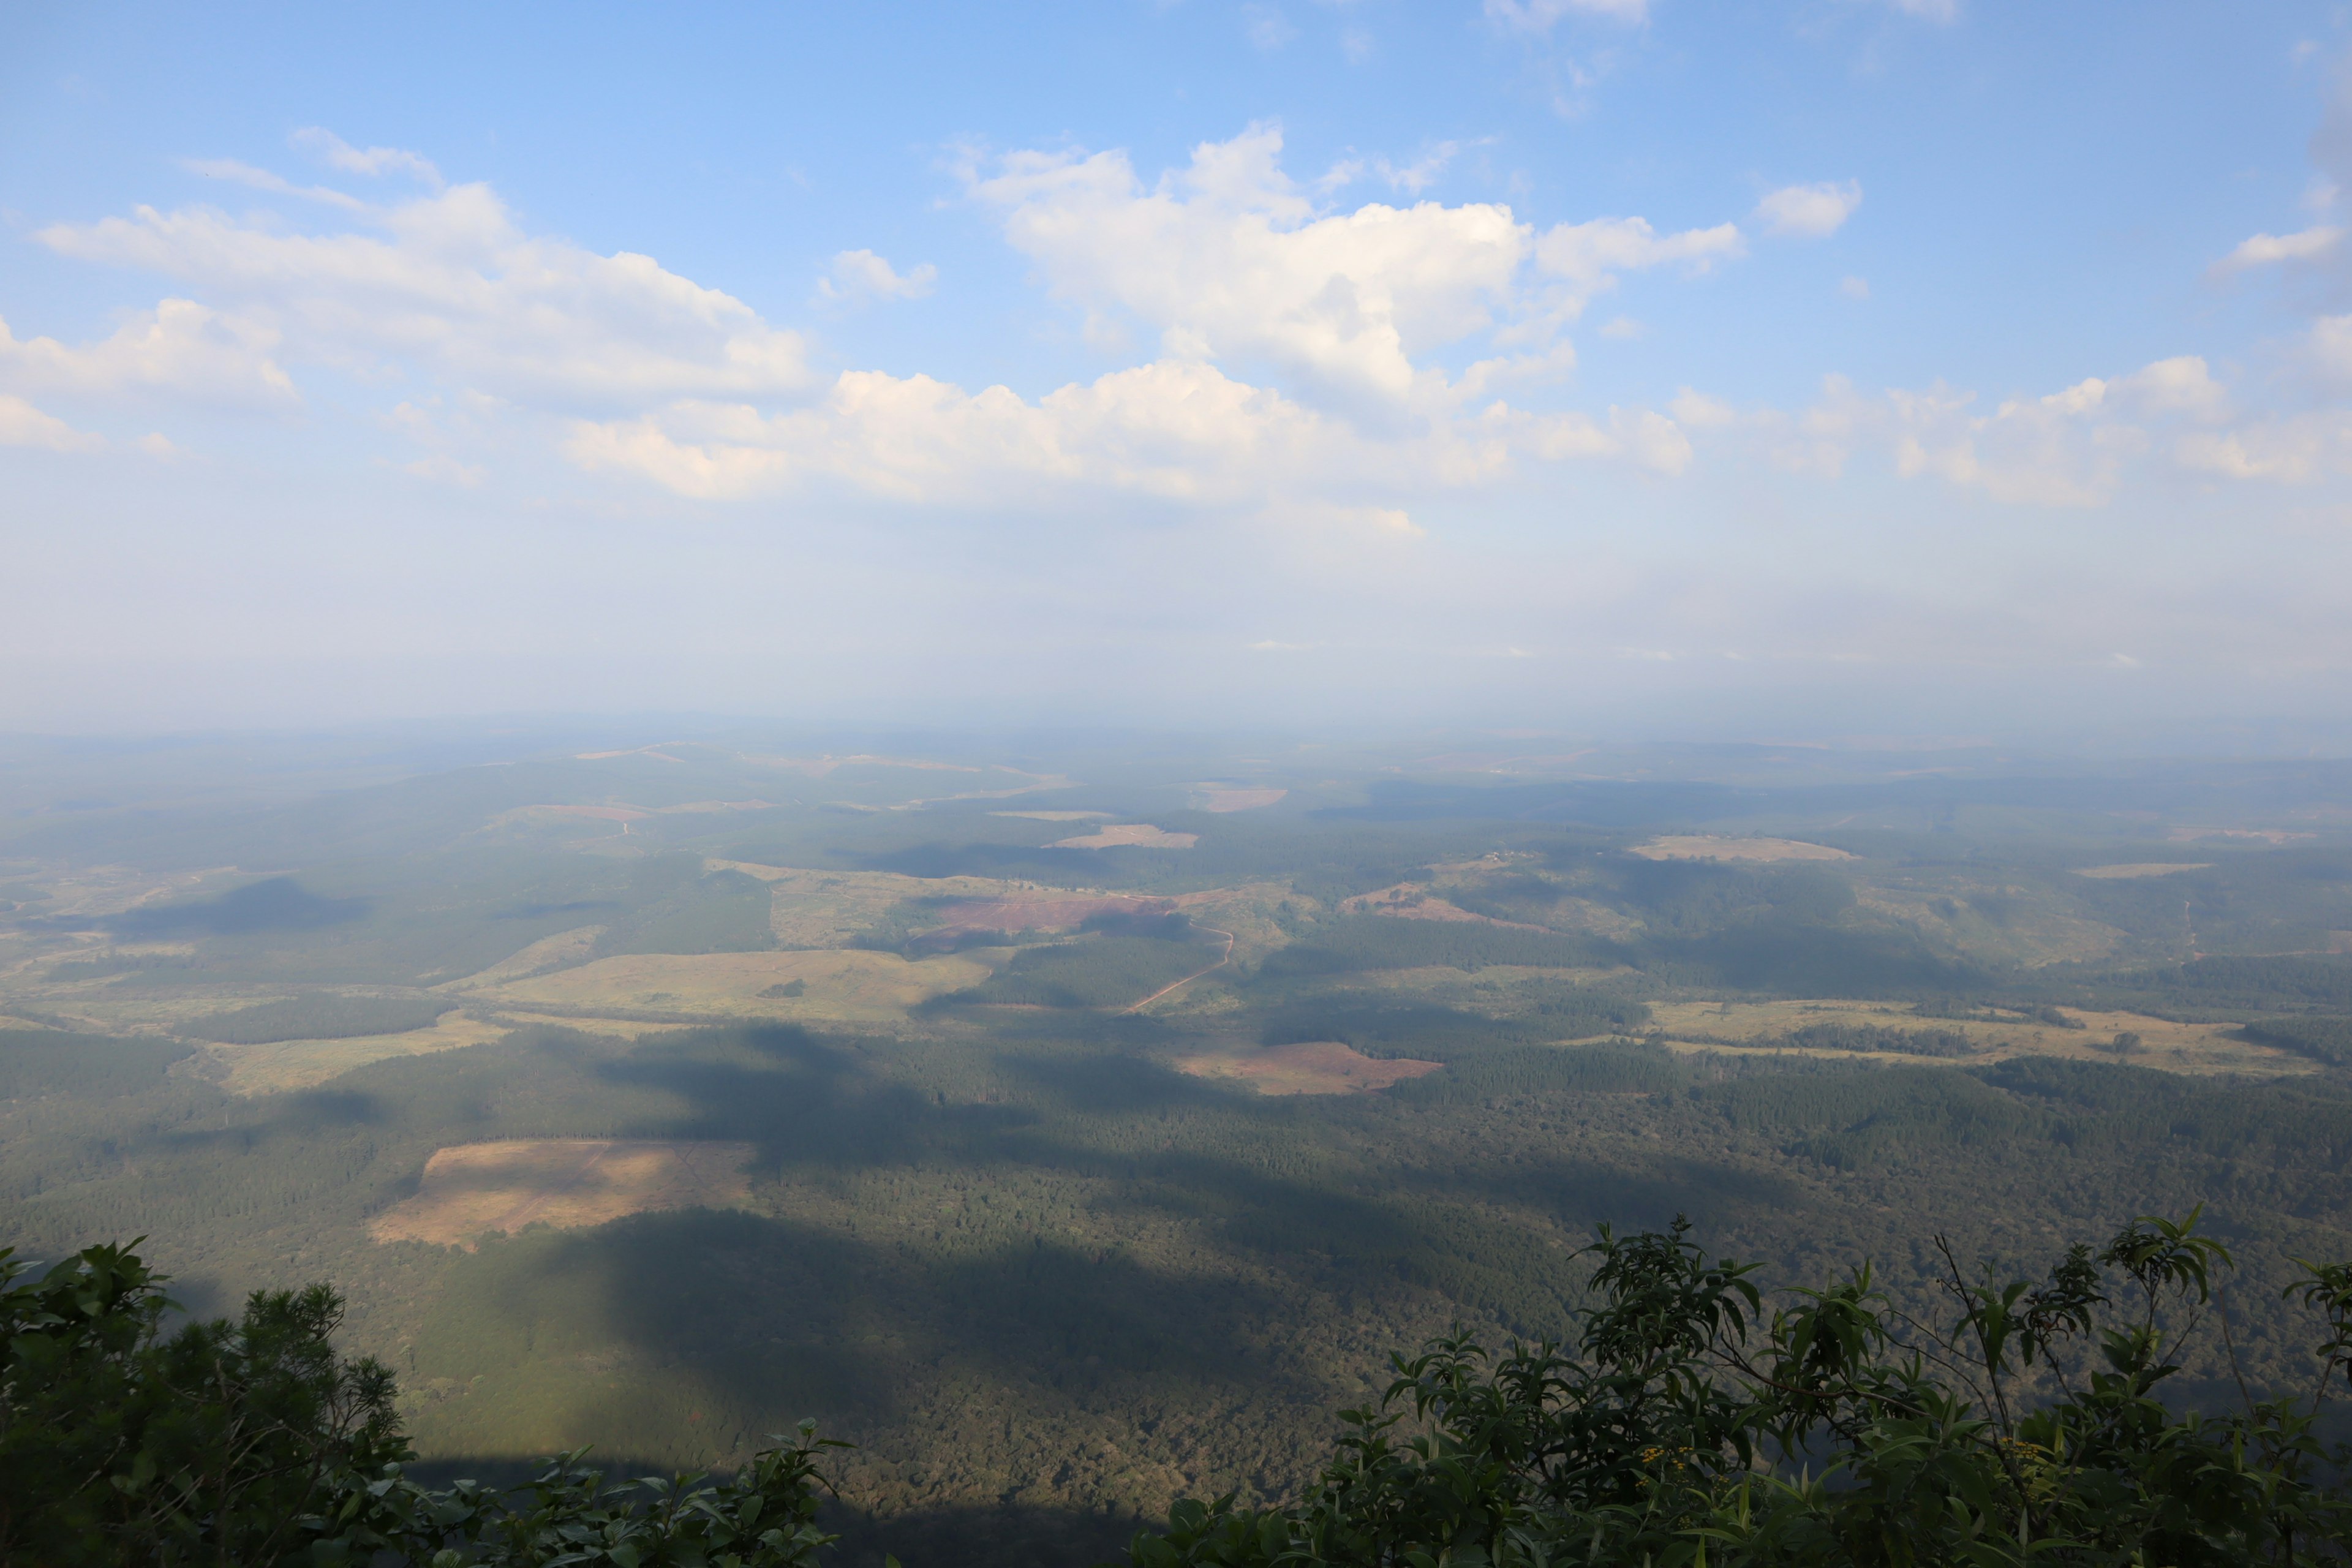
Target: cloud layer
1303, 358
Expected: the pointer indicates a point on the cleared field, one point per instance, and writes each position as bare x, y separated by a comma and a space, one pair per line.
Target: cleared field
284, 1065
844, 985
1706, 847
1128, 836
2143, 869
1414, 901
827, 908
1057, 816
1320, 1067
1210, 797
476, 1189
2168, 1046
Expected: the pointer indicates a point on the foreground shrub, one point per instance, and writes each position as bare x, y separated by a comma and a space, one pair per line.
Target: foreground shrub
254, 1442
1688, 1426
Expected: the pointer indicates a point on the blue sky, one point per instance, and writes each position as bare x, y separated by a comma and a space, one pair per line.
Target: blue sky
1846, 366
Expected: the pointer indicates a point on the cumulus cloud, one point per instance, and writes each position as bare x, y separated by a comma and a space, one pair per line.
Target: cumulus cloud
374, 162
1178, 432
449, 285
1228, 258
1586, 252
2293, 449
22, 425
2073, 447
1810, 211
2271, 249
180, 348
860, 275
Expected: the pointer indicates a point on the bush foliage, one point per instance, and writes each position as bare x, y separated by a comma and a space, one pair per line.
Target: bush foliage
1694, 1417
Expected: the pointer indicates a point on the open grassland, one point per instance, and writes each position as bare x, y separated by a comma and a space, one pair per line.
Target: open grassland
473, 1190
1707, 846
1218, 798
1414, 901
2164, 1045
1318, 1067
284, 1065
2142, 869
1128, 836
829, 909
839, 985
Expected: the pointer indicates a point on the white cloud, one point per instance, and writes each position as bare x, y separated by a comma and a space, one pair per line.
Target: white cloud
374, 162
2271, 249
1622, 328
1699, 412
447, 286
860, 275
2295, 449
1587, 257
1854, 287
1411, 178
1268, 29
1228, 258
229, 169
2074, 447
443, 468
1542, 16
22, 425
180, 348
1180, 433
1810, 211
1940, 11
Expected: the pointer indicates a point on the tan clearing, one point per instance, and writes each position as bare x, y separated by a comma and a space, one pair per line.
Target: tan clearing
284, 1065
849, 985
1412, 901
1128, 836
811, 908
2142, 869
1057, 816
1320, 1067
1709, 847
477, 1189
1208, 797
2195, 1049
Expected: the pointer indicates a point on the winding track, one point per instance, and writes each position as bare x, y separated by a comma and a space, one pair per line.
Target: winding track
1188, 980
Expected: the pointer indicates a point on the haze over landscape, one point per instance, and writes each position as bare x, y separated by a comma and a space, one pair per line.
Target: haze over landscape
1069, 737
